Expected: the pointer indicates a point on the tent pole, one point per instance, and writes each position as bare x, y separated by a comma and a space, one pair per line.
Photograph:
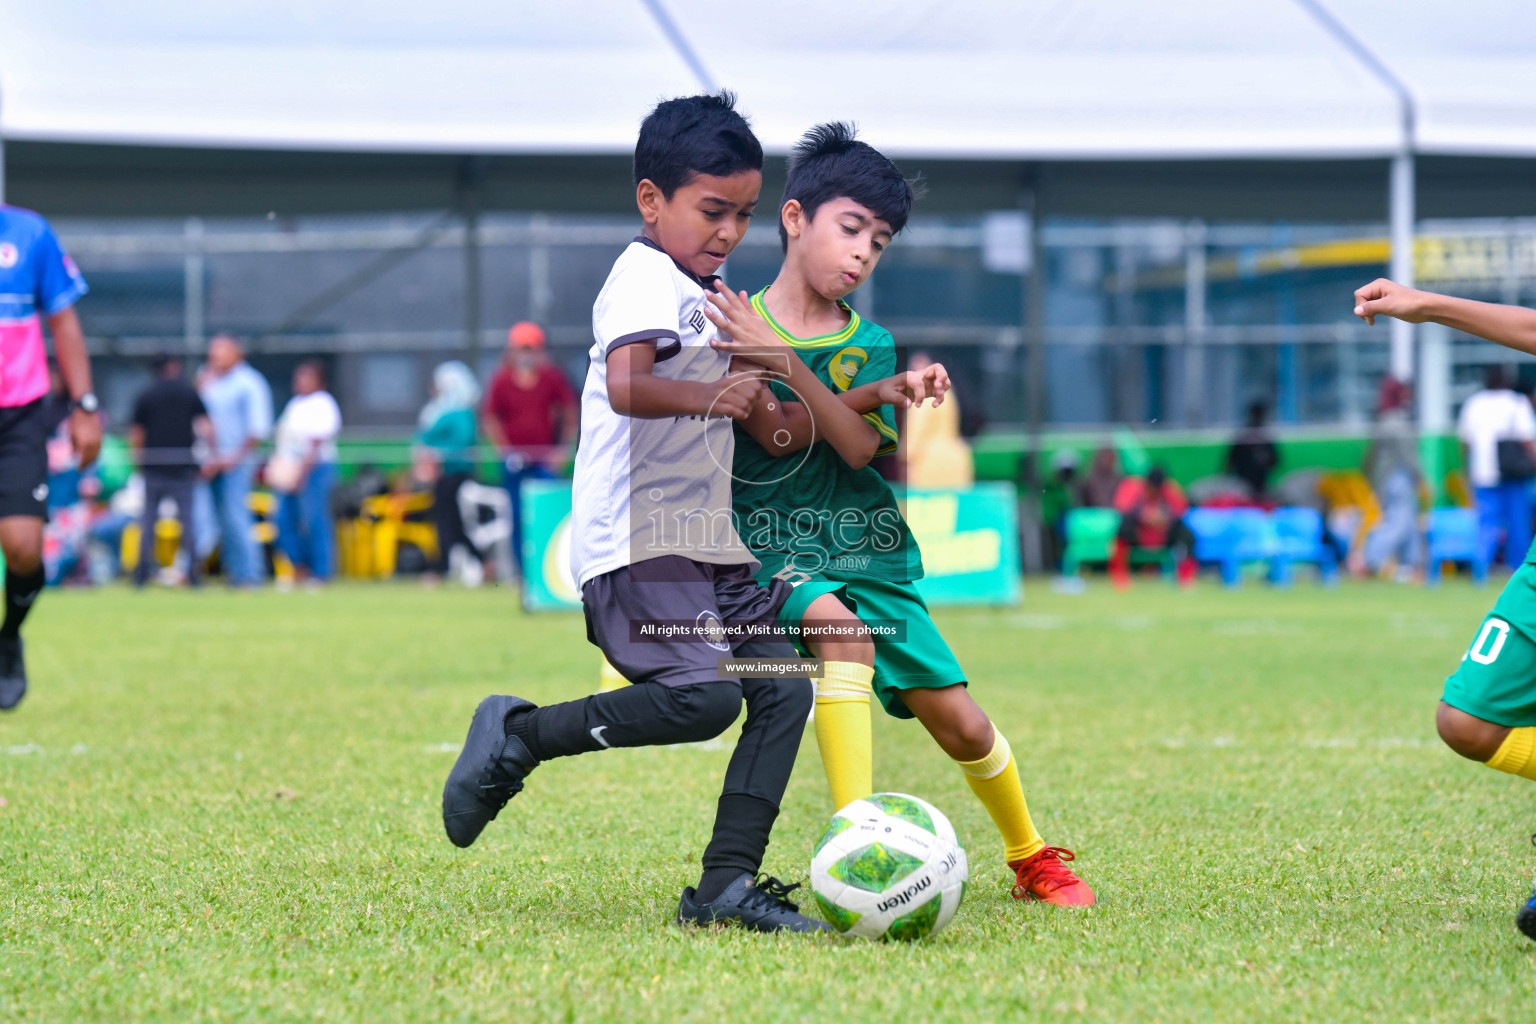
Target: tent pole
1194, 323
1401, 213
1031, 475
1034, 322
1400, 195
194, 302
1434, 402
469, 200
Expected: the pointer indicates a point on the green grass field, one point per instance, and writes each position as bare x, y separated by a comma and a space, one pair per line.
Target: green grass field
223, 806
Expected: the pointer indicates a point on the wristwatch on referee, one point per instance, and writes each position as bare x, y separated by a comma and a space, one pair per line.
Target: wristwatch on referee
85, 403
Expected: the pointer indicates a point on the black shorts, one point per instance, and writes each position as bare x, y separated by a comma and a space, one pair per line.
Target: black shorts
24, 461
670, 620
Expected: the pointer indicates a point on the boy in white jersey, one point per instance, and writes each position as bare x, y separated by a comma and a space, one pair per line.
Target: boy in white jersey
666, 583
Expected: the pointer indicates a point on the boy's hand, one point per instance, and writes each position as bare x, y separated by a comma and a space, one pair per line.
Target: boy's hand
901, 390
936, 383
1388, 298
913, 387
734, 395
743, 333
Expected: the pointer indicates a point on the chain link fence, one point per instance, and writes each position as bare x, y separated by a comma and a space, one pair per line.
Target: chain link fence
1161, 324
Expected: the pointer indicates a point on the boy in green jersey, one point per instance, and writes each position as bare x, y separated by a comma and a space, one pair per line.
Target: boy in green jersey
815, 514
1488, 710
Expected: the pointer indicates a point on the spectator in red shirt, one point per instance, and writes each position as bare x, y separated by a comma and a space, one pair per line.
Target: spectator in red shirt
1151, 518
530, 416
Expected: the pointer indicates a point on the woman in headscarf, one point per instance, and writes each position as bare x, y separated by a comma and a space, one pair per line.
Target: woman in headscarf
445, 445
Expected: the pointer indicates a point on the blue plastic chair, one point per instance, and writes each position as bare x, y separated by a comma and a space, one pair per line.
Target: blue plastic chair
1215, 539
1454, 536
1254, 540
1232, 536
1299, 538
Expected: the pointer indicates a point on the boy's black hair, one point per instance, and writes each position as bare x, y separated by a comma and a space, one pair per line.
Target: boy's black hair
830, 163
695, 135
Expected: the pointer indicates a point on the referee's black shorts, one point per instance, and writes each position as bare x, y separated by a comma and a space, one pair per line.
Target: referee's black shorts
24, 461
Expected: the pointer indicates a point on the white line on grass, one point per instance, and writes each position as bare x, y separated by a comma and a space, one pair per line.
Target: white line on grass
1255, 627
1030, 621
1318, 743
1127, 623
23, 749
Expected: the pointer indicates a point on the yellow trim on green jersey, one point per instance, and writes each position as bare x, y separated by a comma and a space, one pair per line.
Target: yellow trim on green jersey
887, 435
879, 424
794, 342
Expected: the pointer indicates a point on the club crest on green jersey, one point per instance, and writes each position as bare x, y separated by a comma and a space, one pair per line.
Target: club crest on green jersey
845, 365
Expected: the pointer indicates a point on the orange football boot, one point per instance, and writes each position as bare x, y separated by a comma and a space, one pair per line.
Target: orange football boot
1045, 877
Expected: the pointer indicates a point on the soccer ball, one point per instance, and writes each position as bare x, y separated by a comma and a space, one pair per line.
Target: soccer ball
889, 867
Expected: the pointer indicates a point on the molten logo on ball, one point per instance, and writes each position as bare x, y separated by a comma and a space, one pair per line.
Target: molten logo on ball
889, 867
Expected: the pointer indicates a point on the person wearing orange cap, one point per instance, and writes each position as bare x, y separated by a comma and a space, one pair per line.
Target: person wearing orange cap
530, 416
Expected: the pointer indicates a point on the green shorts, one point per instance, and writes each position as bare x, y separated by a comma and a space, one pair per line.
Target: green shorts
1496, 680
918, 660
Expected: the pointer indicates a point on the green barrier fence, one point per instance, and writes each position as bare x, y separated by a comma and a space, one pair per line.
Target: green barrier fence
970, 544
1189, 457
969, 539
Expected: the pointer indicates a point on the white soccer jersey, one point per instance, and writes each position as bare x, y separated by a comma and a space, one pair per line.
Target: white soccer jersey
651, 487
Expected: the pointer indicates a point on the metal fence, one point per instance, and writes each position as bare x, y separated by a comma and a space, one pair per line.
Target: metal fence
1176, 324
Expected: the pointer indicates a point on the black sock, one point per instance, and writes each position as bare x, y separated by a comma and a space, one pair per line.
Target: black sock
21, 590
740, 838
713, 882
643, 715
519, 723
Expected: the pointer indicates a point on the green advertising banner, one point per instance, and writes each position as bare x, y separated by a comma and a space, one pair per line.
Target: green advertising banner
969, 539
970, 543
547, 582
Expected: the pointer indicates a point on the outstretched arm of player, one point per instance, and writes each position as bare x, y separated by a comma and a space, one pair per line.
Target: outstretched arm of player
1511, 326
633, 390
785, 427
905, 389
75, 366
748, 336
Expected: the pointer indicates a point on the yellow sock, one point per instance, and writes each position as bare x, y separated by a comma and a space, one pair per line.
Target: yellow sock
608, 678
1517, 754
995, 781
842, 730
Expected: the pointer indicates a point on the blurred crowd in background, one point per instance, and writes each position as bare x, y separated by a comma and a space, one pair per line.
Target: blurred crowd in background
212, 478
1377, 520
209, 476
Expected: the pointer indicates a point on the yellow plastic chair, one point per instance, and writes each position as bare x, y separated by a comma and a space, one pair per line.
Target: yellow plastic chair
1456, 490
1350, 489
263, 506
167, 541
383, 527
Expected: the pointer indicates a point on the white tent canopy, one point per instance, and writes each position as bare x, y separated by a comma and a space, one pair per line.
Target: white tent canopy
999, 79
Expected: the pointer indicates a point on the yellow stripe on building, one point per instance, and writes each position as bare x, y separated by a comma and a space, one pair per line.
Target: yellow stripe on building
1485, 258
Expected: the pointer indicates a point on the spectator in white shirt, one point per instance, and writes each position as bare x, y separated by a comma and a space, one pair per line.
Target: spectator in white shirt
303, 470
1498, 434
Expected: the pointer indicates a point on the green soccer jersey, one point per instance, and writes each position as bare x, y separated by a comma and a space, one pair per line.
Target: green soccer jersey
810, 507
